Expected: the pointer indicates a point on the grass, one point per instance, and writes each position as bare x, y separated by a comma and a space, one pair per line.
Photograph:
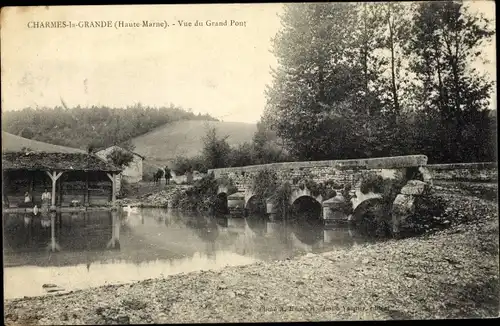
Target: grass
12, 142
185, 138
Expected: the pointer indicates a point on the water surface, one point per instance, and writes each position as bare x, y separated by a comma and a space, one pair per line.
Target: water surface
102, 247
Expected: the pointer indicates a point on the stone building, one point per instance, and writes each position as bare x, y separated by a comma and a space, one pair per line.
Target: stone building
133, 173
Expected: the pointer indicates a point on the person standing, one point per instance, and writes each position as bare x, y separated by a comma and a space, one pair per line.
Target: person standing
168, 175
46, 200
27, 197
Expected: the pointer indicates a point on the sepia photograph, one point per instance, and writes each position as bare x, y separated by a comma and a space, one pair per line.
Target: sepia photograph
263, 162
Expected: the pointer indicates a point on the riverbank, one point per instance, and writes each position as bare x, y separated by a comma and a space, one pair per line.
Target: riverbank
448, 274
156, 197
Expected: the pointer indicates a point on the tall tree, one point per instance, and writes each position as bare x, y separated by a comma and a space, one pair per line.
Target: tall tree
317, 71
445, 39
397, 20
216, 150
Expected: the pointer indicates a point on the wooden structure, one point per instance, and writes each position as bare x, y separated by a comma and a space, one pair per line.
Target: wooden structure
75, 179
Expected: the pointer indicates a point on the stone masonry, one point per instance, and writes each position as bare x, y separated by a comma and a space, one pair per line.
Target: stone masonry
342, 172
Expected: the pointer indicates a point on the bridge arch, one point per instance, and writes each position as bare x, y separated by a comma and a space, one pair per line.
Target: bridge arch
372, 217
221, 203
255, 205
250, 199
306, 208
223, 189
297, 193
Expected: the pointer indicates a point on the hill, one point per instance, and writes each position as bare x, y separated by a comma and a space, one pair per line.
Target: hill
80, 127
185, 138
12, 142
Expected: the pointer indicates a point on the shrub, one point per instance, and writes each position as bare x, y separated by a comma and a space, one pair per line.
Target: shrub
120, 158
229, 183
388, 188
265, 183
199, 197
183, 164
325, 189
281, 197
429, 210
372, 183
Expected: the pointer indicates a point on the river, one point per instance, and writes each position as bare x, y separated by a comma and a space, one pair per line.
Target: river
102, 247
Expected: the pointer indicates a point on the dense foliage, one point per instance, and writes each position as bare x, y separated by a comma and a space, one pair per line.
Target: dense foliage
200, 196
264, 183
119, 157
217, 153
388, 188
93, 127
382, 79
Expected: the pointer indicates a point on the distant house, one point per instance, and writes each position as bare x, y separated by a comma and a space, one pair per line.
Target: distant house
133, 172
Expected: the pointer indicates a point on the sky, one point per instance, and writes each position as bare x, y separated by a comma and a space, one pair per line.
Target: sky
220, 70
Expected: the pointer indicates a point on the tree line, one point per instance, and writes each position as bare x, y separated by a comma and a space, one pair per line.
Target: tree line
382, 79
92, 127
358, 80
265, 147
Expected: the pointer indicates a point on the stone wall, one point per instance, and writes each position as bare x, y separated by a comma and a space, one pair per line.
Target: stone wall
471, 172
342, 171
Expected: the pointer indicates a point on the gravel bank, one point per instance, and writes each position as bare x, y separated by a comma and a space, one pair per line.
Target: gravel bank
449, 274
157, 198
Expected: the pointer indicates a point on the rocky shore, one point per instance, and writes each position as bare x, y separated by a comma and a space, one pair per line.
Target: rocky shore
159, 198
452, 273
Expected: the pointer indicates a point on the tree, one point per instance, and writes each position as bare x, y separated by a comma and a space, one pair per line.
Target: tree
216, 150
120, 158
242, 155
182, 164
27, 133
397, 21
318, 70
445, 40
78, 126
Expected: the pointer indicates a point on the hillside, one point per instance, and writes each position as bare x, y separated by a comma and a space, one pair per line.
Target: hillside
12, 142
185, 138
81, 127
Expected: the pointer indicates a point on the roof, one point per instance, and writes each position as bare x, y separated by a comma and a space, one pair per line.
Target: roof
55, 161
124, 149
14, 143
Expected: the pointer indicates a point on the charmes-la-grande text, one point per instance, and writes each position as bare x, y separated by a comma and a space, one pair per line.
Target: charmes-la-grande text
117, 24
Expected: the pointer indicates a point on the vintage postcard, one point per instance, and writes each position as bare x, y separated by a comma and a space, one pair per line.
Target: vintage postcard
249, 162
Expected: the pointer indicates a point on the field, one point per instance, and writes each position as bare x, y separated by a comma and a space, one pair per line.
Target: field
185, 138
12, 142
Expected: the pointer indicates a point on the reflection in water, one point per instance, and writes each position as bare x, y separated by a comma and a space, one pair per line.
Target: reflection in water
27, 220
82, 249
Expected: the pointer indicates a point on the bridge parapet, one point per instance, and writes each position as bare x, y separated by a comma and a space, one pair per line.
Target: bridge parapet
391, 162
341, 172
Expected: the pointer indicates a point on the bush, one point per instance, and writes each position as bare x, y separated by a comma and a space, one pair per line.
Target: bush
120, 158
265, 183
428, 215
282, 196
199, 197
388, 188
229, 183
183, 164
326, 189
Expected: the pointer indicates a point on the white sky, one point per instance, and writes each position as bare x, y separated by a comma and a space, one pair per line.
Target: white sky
222, 71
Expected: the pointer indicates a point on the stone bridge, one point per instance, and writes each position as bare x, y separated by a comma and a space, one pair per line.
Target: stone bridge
341, 173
